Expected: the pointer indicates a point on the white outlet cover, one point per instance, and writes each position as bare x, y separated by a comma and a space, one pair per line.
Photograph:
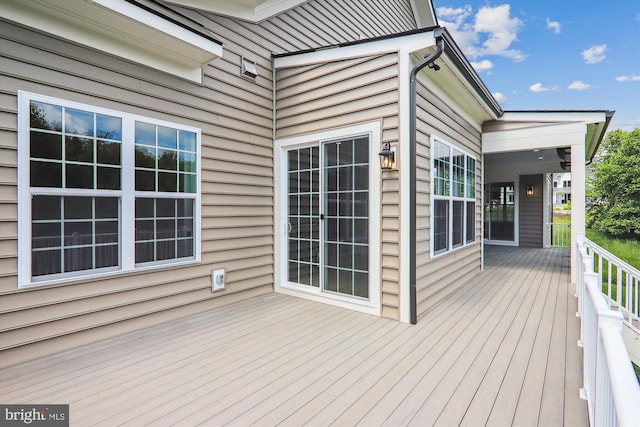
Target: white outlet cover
217, 279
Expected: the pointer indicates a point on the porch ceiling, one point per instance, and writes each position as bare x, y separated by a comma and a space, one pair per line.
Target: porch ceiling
540, 161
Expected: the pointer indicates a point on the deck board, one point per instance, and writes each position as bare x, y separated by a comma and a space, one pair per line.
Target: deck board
499, 350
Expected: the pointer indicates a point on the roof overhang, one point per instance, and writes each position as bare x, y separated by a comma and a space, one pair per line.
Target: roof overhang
247, 10
456, 79
125, 29
528, 130
424, 13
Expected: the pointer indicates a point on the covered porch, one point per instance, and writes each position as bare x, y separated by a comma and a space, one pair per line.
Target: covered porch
498, 350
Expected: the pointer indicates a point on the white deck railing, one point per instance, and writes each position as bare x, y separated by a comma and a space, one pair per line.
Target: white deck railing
558, 235
620, 283
609, 382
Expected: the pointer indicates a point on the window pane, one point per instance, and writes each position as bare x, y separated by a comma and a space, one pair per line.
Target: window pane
45, 116
145, 180
145, 134
458, 223
108, 127
440, 225
441, 161
187, 162
46, 235
46, 262
45, 174
78, 149
78, 207
107, 256
471, 222
109, 152
78, 233
167, 160
187, 140
188, 183
46, 208
79, 176
78, 122
167, 137
167, 181
108, 178
45, 145
145, 157
471, 178
458, 174
164, 229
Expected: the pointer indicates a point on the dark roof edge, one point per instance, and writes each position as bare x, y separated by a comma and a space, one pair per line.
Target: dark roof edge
608, 117
562, 111
158, 10
464, 66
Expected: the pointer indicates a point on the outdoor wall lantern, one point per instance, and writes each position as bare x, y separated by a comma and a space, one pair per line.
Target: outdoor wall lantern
387, 157
530, 191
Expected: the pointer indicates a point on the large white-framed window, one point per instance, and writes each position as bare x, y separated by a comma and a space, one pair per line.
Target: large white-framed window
102, 191
453, 197
328, 228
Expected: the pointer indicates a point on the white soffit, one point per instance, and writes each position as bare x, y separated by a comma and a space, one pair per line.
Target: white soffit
247, 10
121, 29
536, 137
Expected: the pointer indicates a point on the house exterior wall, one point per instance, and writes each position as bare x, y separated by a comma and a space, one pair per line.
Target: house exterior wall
236, 119
331, 95
439, 275
531, 211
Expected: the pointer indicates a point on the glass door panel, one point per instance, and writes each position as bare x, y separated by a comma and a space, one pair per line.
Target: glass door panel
304, 216
500, 211
346, 198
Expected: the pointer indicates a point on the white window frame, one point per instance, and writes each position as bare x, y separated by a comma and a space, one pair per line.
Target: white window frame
126, 194
450, 198
372, 305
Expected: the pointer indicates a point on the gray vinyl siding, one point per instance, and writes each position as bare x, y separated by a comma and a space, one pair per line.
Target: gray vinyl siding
326, 96
530, 212
236, 118
441, 275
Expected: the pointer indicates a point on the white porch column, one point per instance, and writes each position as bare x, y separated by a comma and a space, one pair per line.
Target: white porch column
578, 197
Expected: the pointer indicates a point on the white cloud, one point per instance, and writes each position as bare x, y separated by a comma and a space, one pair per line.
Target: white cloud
538, 87
490, 32
483, 65
579, 85
632, 78
500, 98
594, 54
554, 25
502, 30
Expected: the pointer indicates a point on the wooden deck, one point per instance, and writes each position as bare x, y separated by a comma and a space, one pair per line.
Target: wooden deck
499, 351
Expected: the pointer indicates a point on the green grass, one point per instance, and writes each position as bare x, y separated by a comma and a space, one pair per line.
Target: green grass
627, 250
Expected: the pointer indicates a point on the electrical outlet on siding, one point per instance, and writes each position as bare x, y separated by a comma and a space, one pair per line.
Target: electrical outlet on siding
217, 280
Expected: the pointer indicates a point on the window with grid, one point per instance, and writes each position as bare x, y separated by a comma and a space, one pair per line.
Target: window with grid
102, 190
453, 196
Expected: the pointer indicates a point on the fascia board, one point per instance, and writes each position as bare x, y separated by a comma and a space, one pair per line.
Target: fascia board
256, 11
555, 116
402, 45
120, 29
540, 137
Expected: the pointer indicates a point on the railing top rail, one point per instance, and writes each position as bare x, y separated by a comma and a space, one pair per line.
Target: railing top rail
611, 257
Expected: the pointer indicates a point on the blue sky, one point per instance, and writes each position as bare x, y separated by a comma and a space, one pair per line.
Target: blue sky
553, 55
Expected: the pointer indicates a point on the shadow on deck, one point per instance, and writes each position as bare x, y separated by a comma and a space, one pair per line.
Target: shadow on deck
500, 350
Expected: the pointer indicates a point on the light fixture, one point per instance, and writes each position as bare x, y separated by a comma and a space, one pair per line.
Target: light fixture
530, 191
387, 157
249, 69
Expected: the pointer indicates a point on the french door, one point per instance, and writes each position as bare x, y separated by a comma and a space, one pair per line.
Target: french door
328, 217
500, 212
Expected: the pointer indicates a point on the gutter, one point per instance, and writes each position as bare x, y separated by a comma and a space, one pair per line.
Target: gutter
428, 61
